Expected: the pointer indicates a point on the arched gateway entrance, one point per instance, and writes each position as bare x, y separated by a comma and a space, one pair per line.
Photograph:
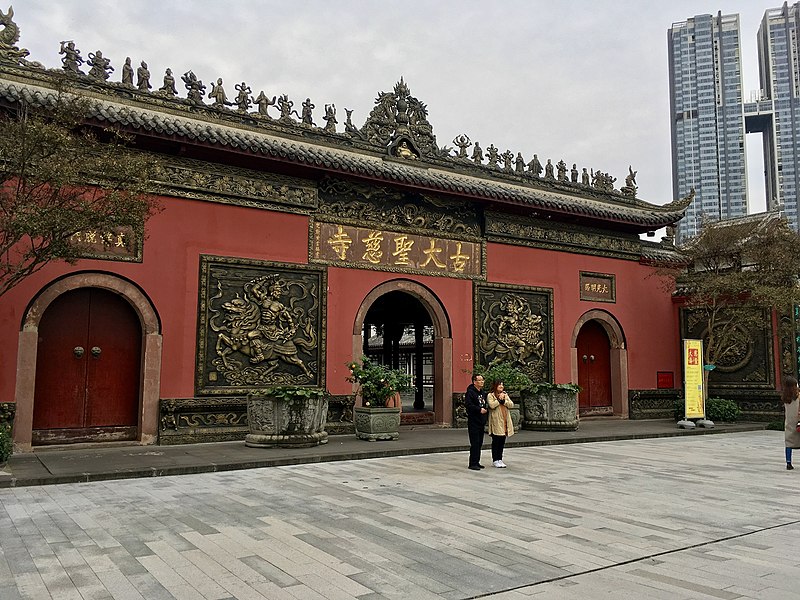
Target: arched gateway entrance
600, 365
87, 369
396, 305
89, 363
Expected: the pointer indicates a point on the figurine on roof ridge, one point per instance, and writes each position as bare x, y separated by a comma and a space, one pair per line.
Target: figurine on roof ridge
100, 66
397, 114
72, 58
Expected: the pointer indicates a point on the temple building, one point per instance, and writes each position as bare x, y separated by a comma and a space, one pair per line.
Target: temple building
282, 248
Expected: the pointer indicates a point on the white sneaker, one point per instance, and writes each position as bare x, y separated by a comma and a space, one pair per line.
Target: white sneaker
498, 464
501, 464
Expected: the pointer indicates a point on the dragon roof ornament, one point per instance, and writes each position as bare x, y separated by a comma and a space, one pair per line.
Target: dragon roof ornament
9, 36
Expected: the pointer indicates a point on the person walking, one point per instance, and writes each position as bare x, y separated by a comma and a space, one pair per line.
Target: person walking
500, 425
476, 405
790, 396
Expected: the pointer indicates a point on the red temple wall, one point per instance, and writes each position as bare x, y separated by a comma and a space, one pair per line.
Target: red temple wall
185, 229
169, 275
643, 309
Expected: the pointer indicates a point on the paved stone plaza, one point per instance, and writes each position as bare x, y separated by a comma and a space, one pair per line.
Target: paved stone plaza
701, 517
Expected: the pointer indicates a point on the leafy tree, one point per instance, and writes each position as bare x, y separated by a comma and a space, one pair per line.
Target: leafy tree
735, 273
60, 177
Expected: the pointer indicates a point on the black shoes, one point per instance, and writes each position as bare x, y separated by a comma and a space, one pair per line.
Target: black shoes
481, 467
475, 467
789, 466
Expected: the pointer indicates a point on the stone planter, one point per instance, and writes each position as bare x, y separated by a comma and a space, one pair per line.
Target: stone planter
516, 417
550, 410
373, 423
286, 422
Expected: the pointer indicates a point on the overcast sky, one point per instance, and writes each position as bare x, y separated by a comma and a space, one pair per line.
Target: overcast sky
586, 81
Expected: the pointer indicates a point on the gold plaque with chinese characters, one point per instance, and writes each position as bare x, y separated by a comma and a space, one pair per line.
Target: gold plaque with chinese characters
121, 243
598, 287
362, 247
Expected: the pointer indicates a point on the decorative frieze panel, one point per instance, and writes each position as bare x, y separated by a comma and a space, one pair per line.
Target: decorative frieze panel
340, 415
358, 203
652, 404
749, 363
7, 411
522, 231
514, 324
360, 247
262, 324
188, 178
196, 420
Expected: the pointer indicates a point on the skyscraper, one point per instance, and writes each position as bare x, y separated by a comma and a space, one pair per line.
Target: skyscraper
708, 131
777, 112
710, 116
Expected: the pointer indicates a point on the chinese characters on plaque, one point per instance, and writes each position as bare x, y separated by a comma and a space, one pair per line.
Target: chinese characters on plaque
598, 287
361, 246
119, 244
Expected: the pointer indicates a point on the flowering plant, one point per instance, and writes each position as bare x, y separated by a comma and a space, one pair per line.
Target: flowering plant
377, 383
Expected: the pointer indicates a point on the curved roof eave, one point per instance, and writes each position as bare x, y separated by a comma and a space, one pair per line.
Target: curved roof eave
634, 213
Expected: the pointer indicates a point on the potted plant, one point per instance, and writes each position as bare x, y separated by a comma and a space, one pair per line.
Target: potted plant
377, 386
287, 416
551, 406
515, 382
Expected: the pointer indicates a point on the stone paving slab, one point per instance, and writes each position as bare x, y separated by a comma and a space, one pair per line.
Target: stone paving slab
676, 517
67, 464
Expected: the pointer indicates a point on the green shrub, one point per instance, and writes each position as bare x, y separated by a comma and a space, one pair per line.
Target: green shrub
544, 387
717, 409
514, 379
775, 426
678, 409
720, 409
6, 445
376, 382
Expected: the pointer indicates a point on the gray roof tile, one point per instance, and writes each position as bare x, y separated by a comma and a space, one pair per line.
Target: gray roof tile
636, 212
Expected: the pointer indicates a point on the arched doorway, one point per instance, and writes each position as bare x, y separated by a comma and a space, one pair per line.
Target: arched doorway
149, 375
398, 308
87, 369
398, 332
600, 364
594, 370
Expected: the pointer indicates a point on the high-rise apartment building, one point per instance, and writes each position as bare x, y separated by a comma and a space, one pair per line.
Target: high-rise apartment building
777, 112
710, 115
705, 73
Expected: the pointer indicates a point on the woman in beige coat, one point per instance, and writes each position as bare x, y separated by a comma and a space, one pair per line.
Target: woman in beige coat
500, 425
790, 405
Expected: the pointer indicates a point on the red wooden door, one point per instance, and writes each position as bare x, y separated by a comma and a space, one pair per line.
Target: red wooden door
87, 368
594, 369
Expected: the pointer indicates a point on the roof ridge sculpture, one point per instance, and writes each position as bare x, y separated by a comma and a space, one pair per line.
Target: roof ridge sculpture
193, 127
398, 115
397, 127
398, 123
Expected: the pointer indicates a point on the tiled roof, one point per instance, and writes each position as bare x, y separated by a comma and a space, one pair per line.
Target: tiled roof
436, 177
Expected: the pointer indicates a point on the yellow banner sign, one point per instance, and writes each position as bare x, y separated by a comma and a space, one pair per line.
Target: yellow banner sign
693, 379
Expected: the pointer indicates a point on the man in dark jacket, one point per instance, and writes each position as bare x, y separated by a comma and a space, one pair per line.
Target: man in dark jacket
477, 413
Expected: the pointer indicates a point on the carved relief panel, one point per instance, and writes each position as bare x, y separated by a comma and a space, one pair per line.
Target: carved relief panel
261, 324
514, 324
748, 364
